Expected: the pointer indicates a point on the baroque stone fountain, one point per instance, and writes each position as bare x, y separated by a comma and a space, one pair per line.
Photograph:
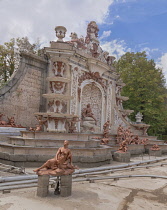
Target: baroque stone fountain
58, 117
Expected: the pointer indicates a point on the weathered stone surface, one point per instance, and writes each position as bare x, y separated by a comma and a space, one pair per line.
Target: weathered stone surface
122, 157
157, 153
43, 185
22, 96
65, 185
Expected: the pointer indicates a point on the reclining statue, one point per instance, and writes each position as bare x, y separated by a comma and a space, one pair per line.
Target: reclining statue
61, 164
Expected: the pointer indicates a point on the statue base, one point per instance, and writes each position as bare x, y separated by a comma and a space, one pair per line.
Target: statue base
157, 153
65, 186
122, 156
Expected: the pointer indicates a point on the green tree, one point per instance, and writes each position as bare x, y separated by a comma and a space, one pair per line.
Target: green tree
10, 56
145, 87
7, 60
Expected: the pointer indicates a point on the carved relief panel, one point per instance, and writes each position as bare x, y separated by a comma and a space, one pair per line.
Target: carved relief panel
59, 69
57, 106
58, 87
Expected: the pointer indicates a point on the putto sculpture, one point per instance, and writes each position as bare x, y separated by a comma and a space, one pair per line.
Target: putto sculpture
155, 147
106, 128
61, 164
126, 135
10, 123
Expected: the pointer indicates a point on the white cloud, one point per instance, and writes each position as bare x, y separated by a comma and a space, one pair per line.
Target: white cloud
34, 18
105, 34
115, 47
162, 63
149, 50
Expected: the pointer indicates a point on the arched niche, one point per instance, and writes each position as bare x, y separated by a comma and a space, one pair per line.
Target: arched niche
92, 93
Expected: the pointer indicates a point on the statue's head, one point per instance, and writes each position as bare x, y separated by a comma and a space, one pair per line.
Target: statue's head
66, 143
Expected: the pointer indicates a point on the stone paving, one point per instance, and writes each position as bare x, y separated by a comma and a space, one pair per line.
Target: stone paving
124, 194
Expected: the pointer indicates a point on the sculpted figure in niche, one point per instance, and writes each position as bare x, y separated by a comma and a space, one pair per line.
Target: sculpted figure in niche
61, 164
88, 123
87, 112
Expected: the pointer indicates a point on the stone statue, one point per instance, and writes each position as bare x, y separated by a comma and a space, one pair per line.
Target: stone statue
144, 141
11, 122
89, 122
2, 122
155, 147
87, 112
120, 134
105, 138
123, 146
72, 125
61, 164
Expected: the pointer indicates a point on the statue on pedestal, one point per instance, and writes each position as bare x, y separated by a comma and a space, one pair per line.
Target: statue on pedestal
61, 164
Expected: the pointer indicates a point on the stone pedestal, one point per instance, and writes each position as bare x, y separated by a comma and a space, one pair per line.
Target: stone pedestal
122, 156
65, 185
43, 185
157, 153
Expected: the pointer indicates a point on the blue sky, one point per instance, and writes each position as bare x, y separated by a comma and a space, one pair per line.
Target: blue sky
125, 25
141, 24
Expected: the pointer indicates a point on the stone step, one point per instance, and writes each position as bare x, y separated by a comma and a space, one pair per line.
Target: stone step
53, 143
34, 155
156, 142
62, 136
134, 149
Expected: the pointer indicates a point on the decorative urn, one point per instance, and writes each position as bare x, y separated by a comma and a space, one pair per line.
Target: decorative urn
60, 33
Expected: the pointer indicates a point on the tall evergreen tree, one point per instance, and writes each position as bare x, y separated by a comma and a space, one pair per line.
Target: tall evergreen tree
145, 87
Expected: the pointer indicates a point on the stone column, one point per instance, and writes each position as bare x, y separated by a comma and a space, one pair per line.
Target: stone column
43, 185
65, 185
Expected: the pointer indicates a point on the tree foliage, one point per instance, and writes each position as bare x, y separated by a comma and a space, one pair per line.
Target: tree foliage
145, 87
10, 56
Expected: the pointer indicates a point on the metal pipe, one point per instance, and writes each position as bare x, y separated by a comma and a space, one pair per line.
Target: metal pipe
114, 170
118, 177
27, 177
84, 179
17, 178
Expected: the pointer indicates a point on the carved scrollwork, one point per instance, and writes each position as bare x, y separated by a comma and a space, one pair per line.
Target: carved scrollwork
92, 75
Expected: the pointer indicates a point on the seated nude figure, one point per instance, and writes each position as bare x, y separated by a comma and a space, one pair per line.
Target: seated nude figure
61, 164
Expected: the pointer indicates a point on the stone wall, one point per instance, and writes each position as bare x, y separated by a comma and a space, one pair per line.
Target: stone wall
22, 96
